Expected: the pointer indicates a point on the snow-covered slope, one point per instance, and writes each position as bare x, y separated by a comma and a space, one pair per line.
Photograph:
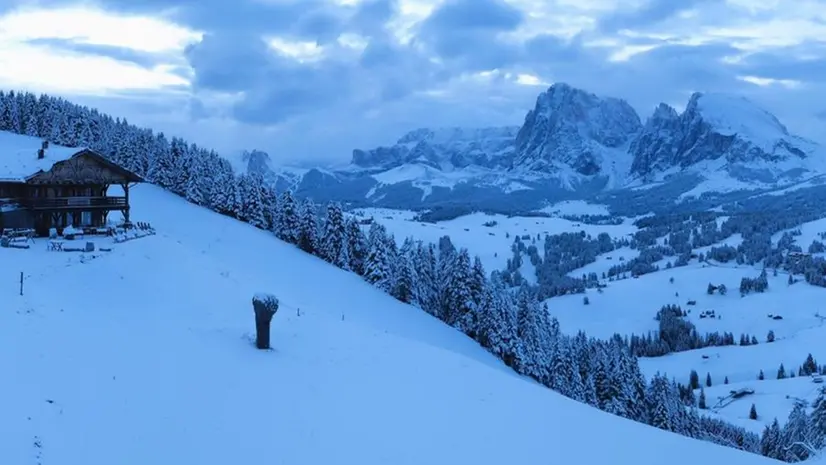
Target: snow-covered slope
142, 355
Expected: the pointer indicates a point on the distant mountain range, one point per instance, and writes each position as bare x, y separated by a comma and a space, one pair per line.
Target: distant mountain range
572, 145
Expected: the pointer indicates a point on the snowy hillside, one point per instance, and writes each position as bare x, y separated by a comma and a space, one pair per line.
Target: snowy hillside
143, 355
783, 323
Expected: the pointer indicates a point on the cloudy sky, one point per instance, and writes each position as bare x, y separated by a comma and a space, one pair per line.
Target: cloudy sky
313, 79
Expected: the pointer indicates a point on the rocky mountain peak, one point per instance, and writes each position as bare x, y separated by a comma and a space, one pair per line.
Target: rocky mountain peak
716, 126
572, 127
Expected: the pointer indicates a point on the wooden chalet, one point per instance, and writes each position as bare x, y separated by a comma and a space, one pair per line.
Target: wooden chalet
60, 187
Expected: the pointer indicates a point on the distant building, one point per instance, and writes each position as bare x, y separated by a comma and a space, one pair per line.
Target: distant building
60, 187
797, 255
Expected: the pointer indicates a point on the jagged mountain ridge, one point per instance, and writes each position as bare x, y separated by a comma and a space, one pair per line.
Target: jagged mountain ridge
573, 144
720, 127
443, 148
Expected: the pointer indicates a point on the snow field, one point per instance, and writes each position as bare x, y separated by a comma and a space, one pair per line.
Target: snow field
491, 243
772, 398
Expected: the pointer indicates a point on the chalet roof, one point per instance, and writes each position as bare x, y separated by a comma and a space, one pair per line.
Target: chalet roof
19, 162
18, 156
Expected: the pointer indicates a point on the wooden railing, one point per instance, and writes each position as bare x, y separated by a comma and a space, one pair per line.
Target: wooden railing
69, 203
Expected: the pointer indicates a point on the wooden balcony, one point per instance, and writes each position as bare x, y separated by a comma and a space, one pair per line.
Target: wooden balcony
73, 203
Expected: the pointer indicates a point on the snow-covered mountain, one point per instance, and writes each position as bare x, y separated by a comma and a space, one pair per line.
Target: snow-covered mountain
575, 134
573, 145
443, 149
749, 142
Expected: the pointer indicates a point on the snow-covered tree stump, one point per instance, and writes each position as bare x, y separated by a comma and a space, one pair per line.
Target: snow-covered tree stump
265, 306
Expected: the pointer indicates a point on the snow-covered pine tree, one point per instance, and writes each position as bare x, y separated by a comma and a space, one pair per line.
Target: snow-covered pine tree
796, 430
660, 406
287, 227
179, 152
817, 422
356, 246
30, 116
425, 287
497, 325
307, 228
458, 299
253, 205
564, 370
162, 168
13, 108
771, 441
376, 265
478, 280
446, 257
405, 274
196, 190
537, 341
269, 202
333, 246
392, 250
223, 188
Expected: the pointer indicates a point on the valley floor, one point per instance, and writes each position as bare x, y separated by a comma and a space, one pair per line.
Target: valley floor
144, 355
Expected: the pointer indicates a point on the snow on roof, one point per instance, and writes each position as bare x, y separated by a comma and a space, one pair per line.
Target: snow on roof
18, 156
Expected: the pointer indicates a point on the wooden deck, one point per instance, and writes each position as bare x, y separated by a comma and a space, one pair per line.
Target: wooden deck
73, 203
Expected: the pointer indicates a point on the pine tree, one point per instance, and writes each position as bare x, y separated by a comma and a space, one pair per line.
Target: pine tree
356, 246
425, 289
770, 442
708, 379
761, 376
306, 226
817, 425
222, 187
269, 204
564, 370
535, 345
446, 258
497, 327
376, 265
693, 380
661, 408
796, 430
251, 205
781, 372
753, 412
403, 286
459, 301
195, 190
162, 167
333, 247
287, 227
702, 401
809, 366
